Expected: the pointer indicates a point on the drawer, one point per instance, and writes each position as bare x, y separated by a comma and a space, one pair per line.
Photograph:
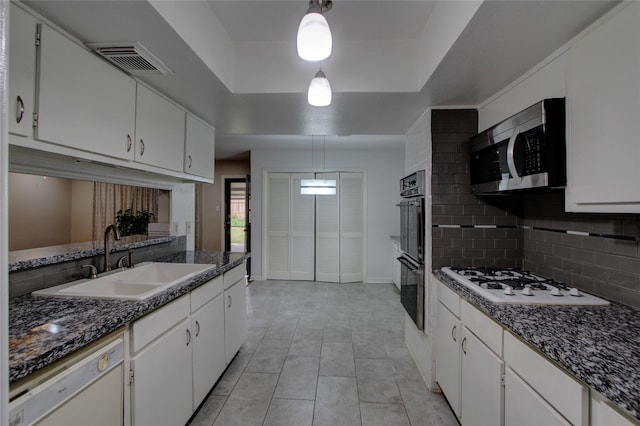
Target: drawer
562, 392
148, 328
448, 297
234, 275
201, 295
482, 326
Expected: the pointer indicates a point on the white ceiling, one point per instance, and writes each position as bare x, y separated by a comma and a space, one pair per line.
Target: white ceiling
499, 43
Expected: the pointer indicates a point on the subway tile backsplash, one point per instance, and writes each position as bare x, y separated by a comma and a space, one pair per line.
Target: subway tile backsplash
466, 230
598, 253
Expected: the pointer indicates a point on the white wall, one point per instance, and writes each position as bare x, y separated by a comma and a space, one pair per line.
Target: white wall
384, 168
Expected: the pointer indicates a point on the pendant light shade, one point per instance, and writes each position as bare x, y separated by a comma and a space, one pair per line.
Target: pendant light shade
319, 90
314, 36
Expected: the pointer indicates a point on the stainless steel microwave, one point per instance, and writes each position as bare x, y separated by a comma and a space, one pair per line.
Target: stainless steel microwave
527, 150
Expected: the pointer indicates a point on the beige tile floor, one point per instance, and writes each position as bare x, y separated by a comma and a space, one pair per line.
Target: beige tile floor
323, 354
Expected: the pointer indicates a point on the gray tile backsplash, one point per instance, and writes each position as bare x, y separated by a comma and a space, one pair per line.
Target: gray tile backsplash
601, 262
28, 280
467, 230
598, 253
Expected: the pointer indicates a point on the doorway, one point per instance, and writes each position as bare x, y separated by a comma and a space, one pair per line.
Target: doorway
237, 227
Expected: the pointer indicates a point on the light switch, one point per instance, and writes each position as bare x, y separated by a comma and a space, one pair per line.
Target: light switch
217, 208
188, 227
175, 228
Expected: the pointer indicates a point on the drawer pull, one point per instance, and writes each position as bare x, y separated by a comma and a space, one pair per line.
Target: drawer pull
453, 333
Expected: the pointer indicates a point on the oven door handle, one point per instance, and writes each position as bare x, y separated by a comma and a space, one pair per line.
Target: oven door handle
408, 264
511, 163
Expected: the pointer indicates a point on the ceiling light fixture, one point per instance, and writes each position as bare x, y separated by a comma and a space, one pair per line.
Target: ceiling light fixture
318, 186
319, 90
314, 34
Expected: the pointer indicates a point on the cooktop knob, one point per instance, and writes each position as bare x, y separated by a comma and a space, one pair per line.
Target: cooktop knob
526, 291
575, 292
508, 290
555, 292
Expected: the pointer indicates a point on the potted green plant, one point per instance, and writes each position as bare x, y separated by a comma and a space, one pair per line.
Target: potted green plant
130, 223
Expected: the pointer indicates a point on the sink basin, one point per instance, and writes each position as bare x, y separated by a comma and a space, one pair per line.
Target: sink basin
139, 283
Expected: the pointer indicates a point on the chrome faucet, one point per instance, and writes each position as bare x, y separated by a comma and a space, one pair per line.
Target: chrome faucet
107, 249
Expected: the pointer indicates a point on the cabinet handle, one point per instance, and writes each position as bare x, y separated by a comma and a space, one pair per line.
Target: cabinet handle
464, 346
230, 301
141, 147
190, 161
453, 333
197, 328
129, 143
19, 109
188, 336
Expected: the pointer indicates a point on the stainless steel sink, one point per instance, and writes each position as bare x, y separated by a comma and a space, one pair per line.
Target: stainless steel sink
139, 283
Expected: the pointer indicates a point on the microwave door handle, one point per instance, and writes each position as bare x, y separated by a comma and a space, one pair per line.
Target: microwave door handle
511, 164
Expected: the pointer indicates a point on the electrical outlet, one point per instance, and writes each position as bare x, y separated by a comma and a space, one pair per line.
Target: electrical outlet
188, 227
217, 208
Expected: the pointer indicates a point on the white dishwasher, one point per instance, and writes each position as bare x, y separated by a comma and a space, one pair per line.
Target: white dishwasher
85, 389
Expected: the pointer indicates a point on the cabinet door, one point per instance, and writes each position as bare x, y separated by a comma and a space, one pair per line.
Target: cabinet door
162, 387
83, 102
235, 318
22, 71
351, 226
604, 106
448, 331
328, 233
159, 131
302, 228
209, 361
524, 407
199, 151
277, 223
482, 393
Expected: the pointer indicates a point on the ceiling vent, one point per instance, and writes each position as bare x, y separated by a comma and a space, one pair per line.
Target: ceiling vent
131, 57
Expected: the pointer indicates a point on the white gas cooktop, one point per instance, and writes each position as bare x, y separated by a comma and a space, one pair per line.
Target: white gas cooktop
509, 285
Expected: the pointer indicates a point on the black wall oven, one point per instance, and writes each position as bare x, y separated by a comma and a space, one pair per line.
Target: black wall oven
412, 246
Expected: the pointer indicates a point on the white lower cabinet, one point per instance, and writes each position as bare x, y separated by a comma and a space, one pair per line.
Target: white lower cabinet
603, 414
448, 354
468, 365
482, 394
564, 395
161, 388
207, 325
235, 311
179, 351
524, 407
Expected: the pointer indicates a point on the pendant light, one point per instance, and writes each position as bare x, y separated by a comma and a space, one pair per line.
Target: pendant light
314, 35
318, 186
319, 90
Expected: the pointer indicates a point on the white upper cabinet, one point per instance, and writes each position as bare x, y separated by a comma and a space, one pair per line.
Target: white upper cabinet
22, 71
159, 131
604, 116
83, 102
199, 149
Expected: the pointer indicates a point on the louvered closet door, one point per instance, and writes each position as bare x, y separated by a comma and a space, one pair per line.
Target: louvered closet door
328, 233
277, 254
351, 226
302, 230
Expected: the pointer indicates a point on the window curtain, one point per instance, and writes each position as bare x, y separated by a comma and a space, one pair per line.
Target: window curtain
108, 198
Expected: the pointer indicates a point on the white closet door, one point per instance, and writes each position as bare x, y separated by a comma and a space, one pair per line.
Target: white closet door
302, 230
351, 226
277, 253
328, 233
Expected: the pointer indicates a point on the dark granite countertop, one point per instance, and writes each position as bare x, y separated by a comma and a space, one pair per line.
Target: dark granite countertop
33, 258
599, 345
43, 330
